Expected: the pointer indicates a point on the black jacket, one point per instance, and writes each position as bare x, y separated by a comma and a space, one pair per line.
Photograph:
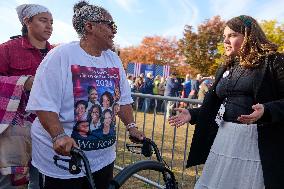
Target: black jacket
268, 87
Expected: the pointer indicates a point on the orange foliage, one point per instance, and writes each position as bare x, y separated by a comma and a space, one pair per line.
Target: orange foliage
152, 50
158, 50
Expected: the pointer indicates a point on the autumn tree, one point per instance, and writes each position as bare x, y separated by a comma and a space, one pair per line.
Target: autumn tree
200, 48
152, 50
274, 32
129, 54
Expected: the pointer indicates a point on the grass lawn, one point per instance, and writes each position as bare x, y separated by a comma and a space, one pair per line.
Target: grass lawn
161, 131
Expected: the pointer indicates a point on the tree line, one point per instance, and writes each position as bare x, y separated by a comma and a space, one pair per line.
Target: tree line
197, 51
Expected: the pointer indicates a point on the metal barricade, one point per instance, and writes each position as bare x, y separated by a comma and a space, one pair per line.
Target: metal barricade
173, 141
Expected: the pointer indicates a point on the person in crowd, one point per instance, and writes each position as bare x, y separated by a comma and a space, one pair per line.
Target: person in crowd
195, 87
93, 97
19, 59
81, 110
161, 91
94, 115
239, 128
142, 76
203, 89
131, 83
157, 82
106, 100
171, 89
138, 84
147, 89
161, 87
186, 86
53, 92
134, 79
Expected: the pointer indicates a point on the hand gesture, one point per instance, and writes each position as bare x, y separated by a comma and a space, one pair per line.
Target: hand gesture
181, 118
254, 116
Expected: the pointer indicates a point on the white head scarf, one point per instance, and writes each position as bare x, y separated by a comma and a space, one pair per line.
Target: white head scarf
30, 10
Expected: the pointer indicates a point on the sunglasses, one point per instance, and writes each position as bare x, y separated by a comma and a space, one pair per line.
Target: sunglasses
110, 23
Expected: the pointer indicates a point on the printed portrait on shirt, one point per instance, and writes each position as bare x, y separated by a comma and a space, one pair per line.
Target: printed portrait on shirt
96, 93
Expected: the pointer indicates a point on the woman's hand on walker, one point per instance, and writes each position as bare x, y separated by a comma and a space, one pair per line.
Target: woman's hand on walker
183, 116
135, 135
254, 116
63, 145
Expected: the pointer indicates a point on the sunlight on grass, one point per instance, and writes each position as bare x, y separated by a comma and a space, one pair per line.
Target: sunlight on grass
179, 147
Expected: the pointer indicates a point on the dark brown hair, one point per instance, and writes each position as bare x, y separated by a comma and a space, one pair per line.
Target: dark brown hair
25, 29
255, 44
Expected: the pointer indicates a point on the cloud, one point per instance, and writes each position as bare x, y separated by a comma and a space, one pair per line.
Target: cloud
19, 2
227, 9
129, 5
10, 25
187, 14
270, 10
183, 13
259, 10
126, 42
40, 2
62, 32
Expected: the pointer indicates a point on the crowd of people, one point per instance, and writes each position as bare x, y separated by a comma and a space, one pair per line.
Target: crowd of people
172, 86
53, 99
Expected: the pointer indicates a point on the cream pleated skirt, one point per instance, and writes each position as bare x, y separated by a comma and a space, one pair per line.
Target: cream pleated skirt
233, 161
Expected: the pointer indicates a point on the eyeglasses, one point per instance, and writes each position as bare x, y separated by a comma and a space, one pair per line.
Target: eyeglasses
110, 23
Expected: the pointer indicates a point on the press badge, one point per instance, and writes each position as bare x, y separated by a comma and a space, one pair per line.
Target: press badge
219, 117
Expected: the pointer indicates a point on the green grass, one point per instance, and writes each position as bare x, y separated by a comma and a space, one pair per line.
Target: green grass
179, 148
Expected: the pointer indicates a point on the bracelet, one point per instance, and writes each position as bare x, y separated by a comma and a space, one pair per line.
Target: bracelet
131, 125
58, 137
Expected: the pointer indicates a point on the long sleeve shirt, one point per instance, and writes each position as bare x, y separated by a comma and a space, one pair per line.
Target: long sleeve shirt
18, 57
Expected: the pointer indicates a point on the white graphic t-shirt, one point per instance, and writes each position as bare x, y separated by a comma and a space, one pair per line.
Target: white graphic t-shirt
86, 92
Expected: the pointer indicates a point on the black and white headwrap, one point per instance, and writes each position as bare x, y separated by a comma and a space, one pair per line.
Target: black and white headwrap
30, 10
87, 13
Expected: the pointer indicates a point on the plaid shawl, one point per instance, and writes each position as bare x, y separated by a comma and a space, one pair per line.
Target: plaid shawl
13, 100
11, 93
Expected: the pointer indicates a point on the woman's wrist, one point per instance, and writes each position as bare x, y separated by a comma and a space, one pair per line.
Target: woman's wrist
60, 135
131, 125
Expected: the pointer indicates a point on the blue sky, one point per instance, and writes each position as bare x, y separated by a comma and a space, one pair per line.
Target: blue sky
139, 18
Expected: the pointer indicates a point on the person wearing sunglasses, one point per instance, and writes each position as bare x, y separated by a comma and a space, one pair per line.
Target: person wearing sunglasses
62, 79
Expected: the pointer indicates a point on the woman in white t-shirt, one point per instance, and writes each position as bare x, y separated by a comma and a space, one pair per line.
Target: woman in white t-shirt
62, 79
